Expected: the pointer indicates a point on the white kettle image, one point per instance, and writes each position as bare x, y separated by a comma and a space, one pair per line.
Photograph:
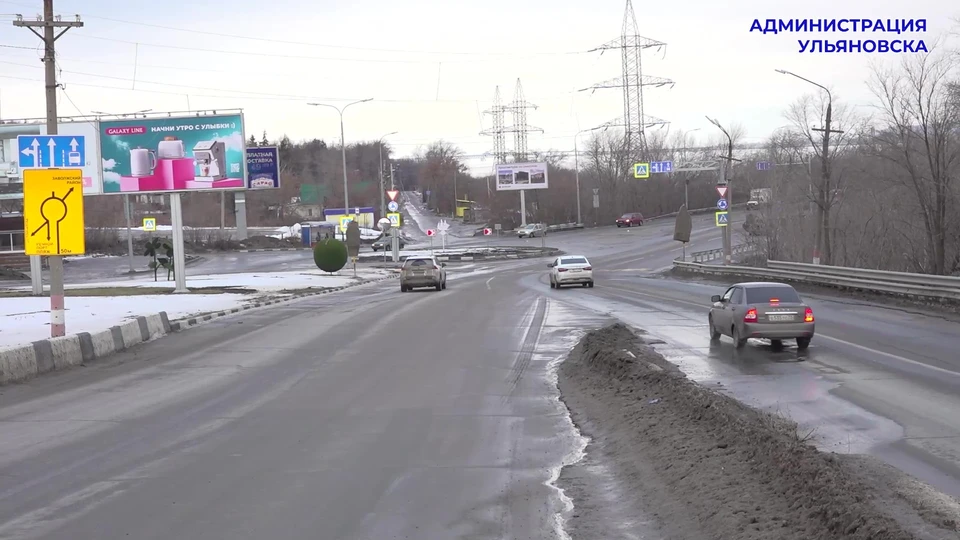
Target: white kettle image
142, 162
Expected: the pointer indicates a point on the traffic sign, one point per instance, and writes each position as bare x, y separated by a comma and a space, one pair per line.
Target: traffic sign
431, 232
41, 151
394, 218
344, 220
658, 167
722, 219
443, 227
641, 170
722, 190
149, 223
392, 193
722, 204
393, 206
765, 166
53, 211
487, 232
384, 224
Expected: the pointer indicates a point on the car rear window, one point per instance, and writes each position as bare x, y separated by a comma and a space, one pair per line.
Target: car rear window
761, 295
573, 260
417, 262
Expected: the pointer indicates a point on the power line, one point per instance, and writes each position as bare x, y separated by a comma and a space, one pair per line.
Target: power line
246, 93
206, 33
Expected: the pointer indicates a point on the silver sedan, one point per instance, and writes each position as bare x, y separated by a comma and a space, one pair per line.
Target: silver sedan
762, 310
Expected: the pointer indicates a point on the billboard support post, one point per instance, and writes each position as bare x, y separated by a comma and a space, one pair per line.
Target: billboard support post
523, 208
179, 260
240, 202
128, 211
36, 275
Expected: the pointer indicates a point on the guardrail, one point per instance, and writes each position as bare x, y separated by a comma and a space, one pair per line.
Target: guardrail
875, 281
713, 254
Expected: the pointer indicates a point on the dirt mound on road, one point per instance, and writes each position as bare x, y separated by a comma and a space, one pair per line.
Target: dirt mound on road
707, 466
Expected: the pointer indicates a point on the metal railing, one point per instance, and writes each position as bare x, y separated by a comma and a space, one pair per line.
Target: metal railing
713, 254
11, 242
863, 279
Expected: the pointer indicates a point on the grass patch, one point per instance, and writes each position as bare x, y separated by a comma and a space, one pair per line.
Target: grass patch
131, 291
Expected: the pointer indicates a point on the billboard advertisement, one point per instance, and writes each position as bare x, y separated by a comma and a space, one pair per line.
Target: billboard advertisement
263, 167
517, 176
196, 153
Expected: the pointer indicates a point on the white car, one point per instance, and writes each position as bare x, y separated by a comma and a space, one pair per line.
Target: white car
532, 230
570, 270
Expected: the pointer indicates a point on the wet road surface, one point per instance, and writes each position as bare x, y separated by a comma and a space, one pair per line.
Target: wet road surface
378, 414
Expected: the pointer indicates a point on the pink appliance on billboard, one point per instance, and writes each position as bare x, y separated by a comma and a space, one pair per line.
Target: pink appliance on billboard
169, 169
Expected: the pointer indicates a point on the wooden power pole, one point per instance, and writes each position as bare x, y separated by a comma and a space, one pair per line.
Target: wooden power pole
53, 27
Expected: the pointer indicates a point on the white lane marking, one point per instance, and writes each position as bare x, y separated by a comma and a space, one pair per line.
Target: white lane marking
488, 282
819, 334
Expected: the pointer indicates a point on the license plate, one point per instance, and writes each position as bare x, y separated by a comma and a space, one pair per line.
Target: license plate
575, 270
780, 318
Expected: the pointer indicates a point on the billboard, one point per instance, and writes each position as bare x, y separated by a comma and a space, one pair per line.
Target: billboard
195, 153
517, 176
263, 167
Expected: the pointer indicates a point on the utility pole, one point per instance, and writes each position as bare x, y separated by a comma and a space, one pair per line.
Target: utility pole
724, 180
383, 202
825, 195
50, 25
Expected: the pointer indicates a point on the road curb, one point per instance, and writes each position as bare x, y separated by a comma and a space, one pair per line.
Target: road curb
22, 363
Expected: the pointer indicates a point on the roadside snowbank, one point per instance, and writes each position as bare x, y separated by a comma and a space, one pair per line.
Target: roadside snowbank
712, 467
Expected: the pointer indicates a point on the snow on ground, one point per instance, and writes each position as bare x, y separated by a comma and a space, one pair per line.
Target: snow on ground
414, 212
27, 319
436, 252
261, 281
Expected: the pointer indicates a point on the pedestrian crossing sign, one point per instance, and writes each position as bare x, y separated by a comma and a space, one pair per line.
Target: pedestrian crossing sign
722, 219
641, 170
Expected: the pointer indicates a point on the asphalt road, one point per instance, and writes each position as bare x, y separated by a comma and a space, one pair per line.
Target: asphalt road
431, 415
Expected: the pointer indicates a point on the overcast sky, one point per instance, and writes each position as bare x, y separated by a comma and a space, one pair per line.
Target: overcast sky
432, 66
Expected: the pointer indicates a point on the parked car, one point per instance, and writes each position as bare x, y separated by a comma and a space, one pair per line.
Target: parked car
423, 271
765, 310
570, 270
630, 219
532, 230
385, 243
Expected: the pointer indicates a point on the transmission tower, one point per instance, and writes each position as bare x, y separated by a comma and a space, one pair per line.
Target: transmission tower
498, 112
631, 45
518, 108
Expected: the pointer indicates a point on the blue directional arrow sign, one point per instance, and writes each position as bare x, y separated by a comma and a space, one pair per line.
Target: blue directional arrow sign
658, 167
722, 204
43, 151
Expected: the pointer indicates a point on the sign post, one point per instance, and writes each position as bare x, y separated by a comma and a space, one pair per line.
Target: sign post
53, 227
443, 227
430, 233
486, 233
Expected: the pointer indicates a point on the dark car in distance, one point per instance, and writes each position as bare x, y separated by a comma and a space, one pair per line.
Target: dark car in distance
629, 220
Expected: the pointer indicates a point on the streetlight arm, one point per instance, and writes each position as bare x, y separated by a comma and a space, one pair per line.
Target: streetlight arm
824, 88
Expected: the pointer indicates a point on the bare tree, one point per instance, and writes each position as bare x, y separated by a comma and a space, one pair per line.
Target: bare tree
919, 136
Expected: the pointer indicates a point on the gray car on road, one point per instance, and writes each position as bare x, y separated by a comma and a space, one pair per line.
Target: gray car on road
764, 310
423, 271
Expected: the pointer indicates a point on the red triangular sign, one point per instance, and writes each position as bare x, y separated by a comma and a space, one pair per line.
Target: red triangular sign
392, 193
722, 190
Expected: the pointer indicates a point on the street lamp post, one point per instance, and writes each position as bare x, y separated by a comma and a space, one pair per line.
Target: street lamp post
383, 203
686, 178
576, 161
343, 148
824, 193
